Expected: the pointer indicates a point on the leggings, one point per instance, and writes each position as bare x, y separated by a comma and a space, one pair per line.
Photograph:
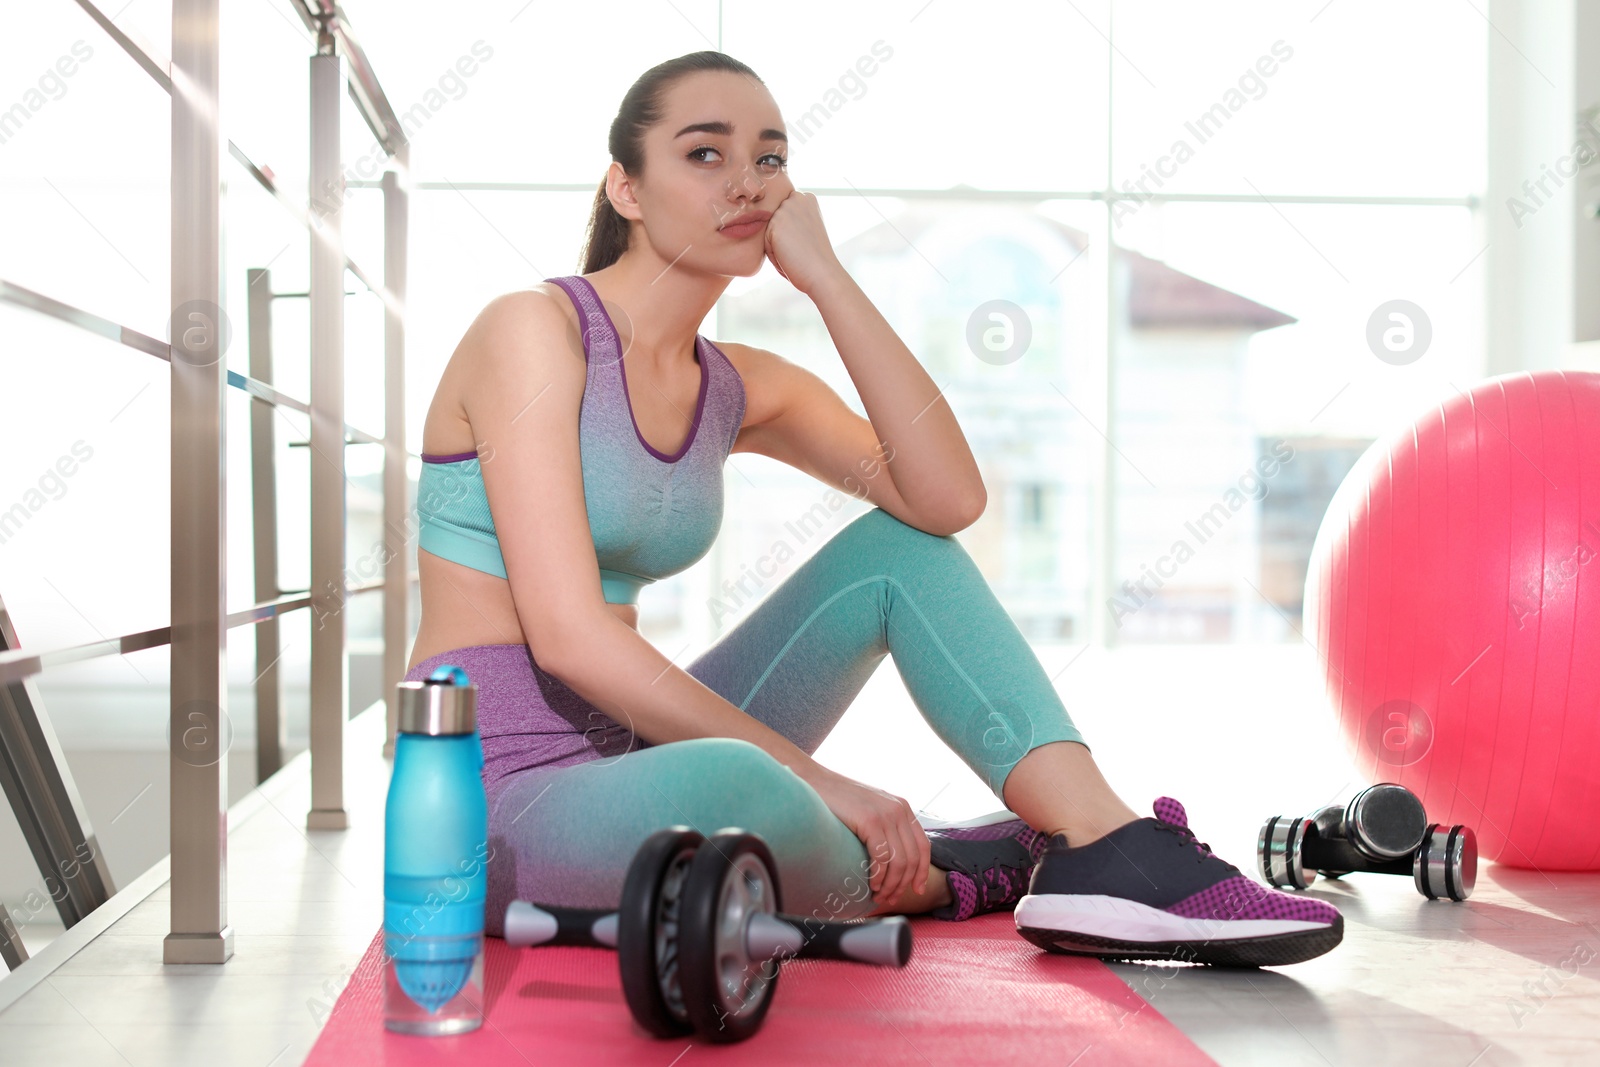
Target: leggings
564, 834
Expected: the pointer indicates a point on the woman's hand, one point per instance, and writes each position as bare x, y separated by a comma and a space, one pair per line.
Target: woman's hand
797, 242
897, 846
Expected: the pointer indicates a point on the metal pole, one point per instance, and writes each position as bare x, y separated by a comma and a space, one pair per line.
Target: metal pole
330, 694
271, 728
199, 337
13, 953
396, 505
45, 799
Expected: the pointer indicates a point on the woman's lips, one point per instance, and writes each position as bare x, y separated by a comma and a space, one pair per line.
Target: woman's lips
742, 229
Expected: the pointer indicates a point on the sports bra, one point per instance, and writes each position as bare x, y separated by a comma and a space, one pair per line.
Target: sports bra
651, 514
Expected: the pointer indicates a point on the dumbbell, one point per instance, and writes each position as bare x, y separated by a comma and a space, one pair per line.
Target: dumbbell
1383, 830
699, 935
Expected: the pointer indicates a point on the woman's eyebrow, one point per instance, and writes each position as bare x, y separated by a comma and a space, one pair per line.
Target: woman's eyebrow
726, 130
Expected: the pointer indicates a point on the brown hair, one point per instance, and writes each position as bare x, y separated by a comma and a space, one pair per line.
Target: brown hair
607, 238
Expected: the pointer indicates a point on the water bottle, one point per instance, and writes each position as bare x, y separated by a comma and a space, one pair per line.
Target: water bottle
435, 860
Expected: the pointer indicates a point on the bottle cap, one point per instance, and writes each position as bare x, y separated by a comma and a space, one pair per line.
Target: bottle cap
442, 703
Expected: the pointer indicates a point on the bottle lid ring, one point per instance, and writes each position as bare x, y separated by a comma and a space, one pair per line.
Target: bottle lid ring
443, 703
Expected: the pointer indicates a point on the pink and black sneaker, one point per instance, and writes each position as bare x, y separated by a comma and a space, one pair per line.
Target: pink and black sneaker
1149, 890
987, 862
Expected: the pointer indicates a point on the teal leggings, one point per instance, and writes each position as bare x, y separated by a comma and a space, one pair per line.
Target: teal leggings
565, 835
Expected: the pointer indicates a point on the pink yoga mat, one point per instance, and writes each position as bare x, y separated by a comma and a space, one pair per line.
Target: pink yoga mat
974, 993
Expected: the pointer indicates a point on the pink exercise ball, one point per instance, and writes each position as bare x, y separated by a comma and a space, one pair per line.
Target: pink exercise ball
1453, 598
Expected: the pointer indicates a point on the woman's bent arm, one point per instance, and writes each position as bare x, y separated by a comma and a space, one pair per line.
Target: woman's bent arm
613, 667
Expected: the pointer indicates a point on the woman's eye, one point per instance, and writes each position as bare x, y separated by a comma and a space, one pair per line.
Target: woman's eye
771, 159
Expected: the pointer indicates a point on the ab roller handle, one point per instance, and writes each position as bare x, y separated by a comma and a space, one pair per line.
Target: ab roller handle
541, 924
699, 934
884, 942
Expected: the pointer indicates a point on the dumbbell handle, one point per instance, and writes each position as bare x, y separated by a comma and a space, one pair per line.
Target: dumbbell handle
1320, 853
885, 942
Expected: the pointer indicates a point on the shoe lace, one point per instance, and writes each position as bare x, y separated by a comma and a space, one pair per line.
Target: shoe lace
1003, 883
1187, 835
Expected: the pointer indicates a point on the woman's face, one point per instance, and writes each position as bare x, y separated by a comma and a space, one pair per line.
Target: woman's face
718, 154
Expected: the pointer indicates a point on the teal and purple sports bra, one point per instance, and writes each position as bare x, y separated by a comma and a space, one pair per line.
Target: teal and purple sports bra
651, 514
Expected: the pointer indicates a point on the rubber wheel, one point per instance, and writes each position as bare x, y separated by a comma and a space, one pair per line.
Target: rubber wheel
648, 929
727, 994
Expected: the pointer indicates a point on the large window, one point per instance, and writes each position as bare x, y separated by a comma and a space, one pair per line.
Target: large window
1190, 212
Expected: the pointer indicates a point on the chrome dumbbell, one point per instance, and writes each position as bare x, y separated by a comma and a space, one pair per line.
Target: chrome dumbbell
1383, 830
699, 935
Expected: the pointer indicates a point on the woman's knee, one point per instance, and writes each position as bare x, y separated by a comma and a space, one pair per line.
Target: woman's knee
899, 543
742, 784
741, 775
579, 836
823, 866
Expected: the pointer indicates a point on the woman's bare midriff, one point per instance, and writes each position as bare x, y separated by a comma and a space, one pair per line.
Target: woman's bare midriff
462, 606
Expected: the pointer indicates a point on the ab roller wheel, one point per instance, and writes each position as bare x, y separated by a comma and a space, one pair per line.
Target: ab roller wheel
730, 905
647, 931
699, 936
1383, 830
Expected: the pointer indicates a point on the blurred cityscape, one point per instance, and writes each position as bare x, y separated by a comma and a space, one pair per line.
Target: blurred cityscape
1179, 357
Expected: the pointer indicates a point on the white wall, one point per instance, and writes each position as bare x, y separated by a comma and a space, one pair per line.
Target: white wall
1533, 97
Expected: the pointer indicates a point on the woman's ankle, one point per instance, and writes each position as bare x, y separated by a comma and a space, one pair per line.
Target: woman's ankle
1088, 827
937, 895
1056, 787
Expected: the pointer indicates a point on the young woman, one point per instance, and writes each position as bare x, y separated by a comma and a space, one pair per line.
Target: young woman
573, 455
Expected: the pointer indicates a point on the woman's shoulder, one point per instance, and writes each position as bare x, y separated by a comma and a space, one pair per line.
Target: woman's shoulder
739, 355
513, 320
540, 303
495, 348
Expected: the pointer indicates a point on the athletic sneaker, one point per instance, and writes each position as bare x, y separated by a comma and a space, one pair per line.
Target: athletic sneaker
1149, 890
987, 863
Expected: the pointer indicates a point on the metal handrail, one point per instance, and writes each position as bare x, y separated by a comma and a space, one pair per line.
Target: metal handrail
303, 216
24, 663
369, 100
364, 89
324, 16
143, 52
21, 296
200, 932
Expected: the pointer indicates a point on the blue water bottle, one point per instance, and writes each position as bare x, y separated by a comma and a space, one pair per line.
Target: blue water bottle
435, 860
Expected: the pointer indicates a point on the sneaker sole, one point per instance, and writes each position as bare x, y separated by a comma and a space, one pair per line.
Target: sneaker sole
928, 822
1115, 928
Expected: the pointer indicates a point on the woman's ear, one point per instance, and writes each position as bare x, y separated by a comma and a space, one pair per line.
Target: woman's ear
619, 190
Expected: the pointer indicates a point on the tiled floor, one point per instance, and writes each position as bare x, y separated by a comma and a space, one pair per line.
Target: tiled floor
1507, 977
303, 905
